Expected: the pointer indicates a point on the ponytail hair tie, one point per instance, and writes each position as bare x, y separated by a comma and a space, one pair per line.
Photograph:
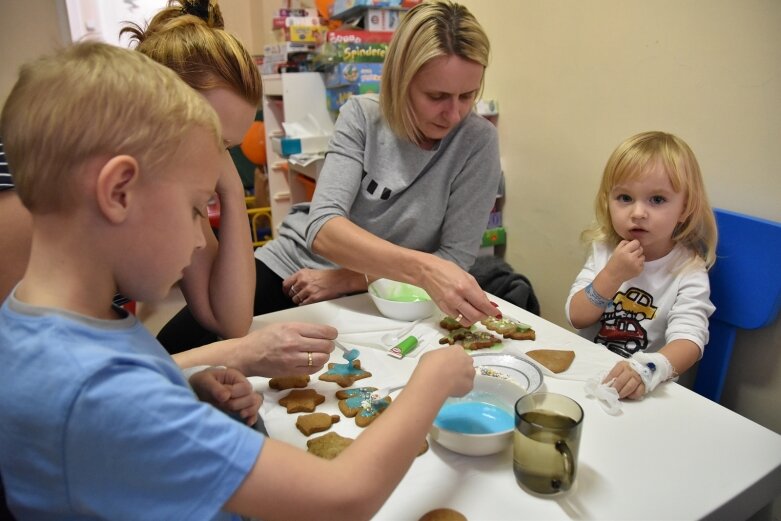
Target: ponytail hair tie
199, 8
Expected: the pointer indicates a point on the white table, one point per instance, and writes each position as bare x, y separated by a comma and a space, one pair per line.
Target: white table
674, 455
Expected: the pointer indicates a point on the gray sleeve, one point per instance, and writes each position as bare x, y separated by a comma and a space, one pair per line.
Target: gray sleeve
340, 177
472, 196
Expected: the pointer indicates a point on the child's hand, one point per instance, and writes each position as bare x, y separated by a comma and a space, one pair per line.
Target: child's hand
229, 391
453, 368
626, 381
627, 261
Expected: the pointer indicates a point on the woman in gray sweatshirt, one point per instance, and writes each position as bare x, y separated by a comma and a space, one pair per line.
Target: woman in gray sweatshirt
408, 181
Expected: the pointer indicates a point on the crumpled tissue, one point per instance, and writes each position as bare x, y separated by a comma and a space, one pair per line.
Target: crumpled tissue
604, 393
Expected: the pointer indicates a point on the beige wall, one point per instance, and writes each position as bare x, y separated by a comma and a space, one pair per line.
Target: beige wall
573, 79
28, 28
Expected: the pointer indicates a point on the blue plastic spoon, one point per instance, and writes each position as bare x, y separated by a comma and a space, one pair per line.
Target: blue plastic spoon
347, 353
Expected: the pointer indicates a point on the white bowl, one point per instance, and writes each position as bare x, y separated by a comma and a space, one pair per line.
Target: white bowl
387, 294
495, 396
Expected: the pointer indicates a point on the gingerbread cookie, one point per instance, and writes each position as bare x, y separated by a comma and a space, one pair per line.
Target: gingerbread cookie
443, 514
509, 328
556, 360
357, 403
280, 383
344, 374
423, 448
470, 340
328, 446
309, 424
301, 400
450, 323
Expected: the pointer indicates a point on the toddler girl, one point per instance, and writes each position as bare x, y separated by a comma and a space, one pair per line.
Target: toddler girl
644, 291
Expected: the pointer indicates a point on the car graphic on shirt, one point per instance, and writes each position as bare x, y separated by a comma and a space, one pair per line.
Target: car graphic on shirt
635, 302
623, 335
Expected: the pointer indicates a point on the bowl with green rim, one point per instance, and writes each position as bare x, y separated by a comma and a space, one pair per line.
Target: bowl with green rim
401, 301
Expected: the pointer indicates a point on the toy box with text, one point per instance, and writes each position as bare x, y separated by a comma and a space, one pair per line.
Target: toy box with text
358, 36
340, 6
352, 74
335, 97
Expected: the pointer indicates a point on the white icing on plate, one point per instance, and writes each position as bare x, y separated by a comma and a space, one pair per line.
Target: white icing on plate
509, 367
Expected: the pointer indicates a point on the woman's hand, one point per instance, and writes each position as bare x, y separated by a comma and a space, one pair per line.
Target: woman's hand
284, 349
455, 291
308, 286
229, 391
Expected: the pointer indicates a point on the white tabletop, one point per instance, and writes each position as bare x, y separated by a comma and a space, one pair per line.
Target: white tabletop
673, 455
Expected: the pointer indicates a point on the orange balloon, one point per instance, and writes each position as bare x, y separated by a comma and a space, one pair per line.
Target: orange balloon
323, 8
254, 143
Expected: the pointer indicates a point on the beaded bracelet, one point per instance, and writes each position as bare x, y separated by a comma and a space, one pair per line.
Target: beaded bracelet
595, 298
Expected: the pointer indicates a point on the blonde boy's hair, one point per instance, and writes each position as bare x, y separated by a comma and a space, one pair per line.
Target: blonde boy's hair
634, 158
428, 30
94, 100
188, 37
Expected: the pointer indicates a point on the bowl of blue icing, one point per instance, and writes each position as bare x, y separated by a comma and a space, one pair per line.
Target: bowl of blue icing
480, 422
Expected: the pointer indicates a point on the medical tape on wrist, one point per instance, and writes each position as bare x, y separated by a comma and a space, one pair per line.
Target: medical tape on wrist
653, 368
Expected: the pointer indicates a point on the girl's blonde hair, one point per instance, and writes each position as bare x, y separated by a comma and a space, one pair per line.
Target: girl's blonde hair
188, 37
428, 30
636, 156
94, 100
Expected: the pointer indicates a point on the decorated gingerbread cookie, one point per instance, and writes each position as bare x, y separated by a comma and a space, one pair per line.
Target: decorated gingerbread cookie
450, 323
357, 403
329, 445
344, 374
509, 328
280, 383
301, 400
309, 424
470, 340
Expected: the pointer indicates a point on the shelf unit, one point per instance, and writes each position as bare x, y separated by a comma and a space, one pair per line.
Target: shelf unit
288, 97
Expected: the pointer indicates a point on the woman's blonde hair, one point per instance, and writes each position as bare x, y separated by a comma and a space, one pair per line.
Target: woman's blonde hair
428, 30
89, 101
188, 37
638, 155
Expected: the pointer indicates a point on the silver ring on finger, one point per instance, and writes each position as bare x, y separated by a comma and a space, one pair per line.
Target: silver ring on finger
309, 358
460, 317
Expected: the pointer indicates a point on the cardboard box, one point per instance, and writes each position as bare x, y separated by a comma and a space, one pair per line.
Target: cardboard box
358, 36
335, 97
286, 13
303, 33
280, 22
382, 20
353, 74
356, 52
494, 237
285, 146
340, 6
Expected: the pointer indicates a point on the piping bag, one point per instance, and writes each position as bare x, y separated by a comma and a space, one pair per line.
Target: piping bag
404, 347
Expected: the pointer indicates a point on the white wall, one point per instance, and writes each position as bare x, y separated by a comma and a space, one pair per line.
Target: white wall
573, 79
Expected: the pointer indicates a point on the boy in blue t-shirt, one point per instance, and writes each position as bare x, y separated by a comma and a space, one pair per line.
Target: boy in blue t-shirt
116, 159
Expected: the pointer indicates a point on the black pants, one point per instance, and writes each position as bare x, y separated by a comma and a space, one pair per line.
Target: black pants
183, 331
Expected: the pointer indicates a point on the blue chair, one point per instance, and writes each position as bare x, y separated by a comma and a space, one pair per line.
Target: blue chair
745, 288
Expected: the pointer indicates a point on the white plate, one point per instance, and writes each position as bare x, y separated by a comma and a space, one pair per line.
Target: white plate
520, 371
